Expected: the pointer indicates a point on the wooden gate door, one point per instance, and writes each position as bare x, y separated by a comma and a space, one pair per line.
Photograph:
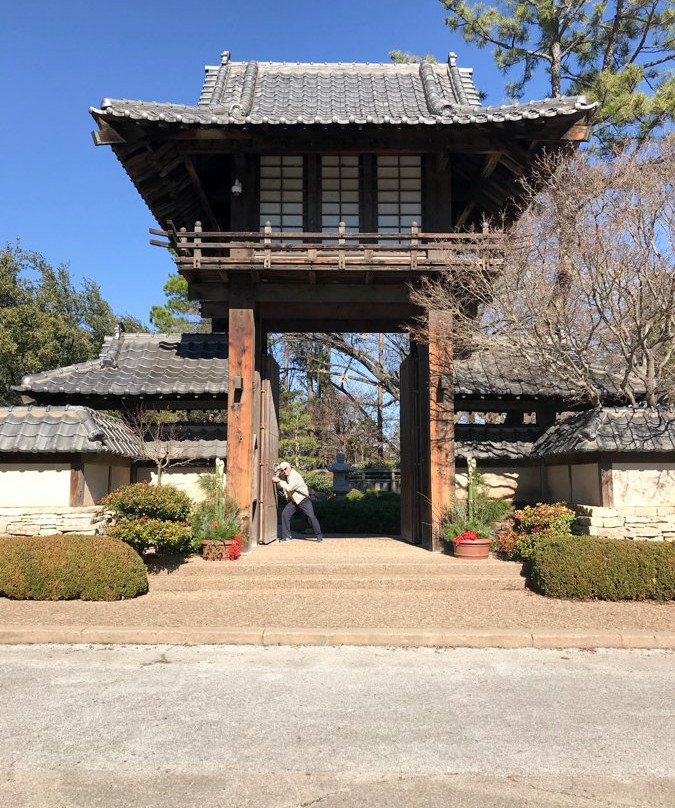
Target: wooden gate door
268, 442
415, 479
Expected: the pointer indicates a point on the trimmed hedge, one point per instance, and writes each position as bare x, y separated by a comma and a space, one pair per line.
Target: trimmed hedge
581, 567
70, 567
377, 512
163, 502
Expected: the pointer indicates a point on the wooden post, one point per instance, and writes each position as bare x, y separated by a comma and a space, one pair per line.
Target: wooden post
197, 262
76, 483
441, 422
240, 402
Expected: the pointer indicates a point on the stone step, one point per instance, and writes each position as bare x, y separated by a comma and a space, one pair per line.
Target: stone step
239, 569
337, 583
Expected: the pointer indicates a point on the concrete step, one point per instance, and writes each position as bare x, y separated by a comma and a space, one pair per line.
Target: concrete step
336, 583
198, 568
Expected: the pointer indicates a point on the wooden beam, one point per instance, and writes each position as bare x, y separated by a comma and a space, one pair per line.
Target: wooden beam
76, 483
199, 188
106, 135
491, 163
441, 424
606, 483
240, 404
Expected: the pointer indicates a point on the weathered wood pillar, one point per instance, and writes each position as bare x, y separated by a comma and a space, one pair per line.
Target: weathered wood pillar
76, 498
241, 398
441, 422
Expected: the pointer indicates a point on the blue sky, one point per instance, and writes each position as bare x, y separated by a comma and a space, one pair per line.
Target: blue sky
71, 201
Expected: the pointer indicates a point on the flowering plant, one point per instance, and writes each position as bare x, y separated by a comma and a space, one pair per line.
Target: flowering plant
467, 535
234, 549
477, 515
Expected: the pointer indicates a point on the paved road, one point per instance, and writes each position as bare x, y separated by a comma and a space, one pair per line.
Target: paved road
333, 727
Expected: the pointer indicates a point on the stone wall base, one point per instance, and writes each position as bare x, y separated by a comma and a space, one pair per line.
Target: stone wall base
641, 523
90, 520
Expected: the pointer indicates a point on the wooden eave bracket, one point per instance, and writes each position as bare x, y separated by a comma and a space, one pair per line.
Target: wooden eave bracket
578, 132
106, 135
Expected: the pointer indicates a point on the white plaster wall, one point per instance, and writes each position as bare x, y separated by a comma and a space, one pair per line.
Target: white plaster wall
642, 484
34, 484
121, 475
96, 477
506, 482
558, 484
586, 484
184, 478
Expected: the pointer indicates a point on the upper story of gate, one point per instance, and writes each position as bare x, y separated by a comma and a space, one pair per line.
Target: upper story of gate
303, 169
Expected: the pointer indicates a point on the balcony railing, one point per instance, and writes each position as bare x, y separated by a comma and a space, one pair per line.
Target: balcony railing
341, 250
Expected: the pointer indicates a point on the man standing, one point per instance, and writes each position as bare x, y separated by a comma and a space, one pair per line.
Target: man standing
297, 495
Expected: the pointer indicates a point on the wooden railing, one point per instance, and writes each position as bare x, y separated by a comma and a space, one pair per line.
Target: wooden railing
199, 249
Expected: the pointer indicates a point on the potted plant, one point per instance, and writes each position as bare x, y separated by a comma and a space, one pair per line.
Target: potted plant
470, 523
216, 521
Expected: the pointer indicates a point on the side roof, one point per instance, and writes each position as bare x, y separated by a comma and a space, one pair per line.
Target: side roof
611, 429
287, 93
495, 441
147, 365
499, 374
65, 430
194, 366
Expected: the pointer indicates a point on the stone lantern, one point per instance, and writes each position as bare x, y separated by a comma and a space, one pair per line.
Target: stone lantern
340, 471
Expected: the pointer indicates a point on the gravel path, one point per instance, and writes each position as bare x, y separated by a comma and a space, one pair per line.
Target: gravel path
344, 583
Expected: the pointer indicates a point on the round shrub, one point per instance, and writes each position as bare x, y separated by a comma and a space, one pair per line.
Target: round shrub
69, 567
168, 537
533, 526
163, 502
606, 569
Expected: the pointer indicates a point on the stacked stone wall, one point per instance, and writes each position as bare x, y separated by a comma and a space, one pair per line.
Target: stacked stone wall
642, 523
45, 521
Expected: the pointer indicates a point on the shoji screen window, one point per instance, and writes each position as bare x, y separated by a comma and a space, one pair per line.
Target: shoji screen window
339, 192
399, 192
281, 192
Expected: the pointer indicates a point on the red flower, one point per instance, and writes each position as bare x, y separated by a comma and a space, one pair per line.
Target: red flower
214, 524
467, 535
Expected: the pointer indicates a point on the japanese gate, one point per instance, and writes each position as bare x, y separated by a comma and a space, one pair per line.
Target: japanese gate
311, 197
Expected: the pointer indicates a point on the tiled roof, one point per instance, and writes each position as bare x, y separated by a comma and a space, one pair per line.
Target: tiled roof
193, 441
142, 364
611, 429
239, 93
495, 441
497, 374
65, 429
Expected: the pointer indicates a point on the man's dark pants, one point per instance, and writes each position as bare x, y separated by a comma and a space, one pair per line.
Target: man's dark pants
307, 508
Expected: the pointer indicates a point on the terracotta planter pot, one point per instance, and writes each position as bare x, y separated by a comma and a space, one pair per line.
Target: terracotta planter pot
215, 550
478, 548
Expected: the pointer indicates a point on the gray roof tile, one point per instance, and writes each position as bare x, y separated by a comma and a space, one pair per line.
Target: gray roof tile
238, 93
498, 374
142, 365
193, 441
495, 441
66, 429
611, 429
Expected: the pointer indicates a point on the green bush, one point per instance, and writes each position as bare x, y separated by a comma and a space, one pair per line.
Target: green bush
354, 495
606, 569
319, 482
532, 526
164, 536
154, 501
68, 567
379, 512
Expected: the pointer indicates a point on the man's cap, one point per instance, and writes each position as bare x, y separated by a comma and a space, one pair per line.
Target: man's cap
284, 465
